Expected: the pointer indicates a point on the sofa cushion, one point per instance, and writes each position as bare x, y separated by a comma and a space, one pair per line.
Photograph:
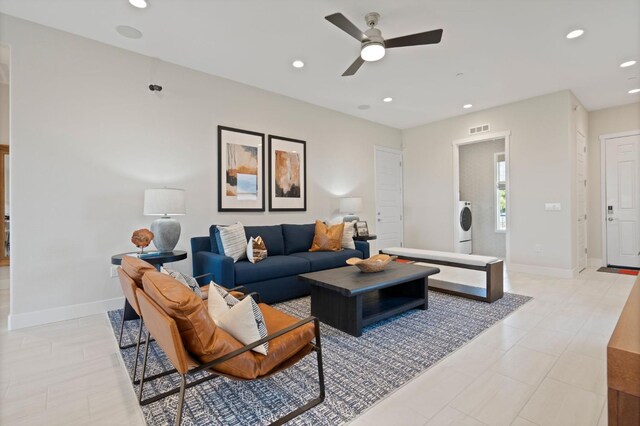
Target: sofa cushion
198, 332
232, 241
270, 268
187, 309
321, 260
298, 238
136, 268
283, 348
214, 240
327, 238
271, 235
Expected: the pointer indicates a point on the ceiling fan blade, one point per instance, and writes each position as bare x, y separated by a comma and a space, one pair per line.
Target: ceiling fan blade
340, 21
429, 37
355, 66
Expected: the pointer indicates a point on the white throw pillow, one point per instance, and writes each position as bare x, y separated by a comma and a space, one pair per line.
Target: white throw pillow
245, 322
220, 301
347, 234
234, 241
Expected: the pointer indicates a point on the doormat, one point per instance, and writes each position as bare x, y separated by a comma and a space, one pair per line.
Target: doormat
619, 271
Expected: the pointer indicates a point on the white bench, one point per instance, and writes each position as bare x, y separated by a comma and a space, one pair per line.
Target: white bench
491, 266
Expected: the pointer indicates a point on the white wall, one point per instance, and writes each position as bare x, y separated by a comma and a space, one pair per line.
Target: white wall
539, 173
605, 121
88, 137
478, 186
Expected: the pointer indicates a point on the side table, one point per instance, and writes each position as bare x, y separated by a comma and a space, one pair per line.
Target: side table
365, 237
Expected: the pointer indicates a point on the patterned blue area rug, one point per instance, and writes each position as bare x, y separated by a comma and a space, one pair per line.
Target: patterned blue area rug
359, 371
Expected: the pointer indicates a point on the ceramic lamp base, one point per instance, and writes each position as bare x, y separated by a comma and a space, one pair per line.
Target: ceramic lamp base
350, 217
166, 233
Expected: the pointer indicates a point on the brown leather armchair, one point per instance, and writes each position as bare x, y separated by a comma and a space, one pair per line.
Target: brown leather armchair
130, 274
182, 327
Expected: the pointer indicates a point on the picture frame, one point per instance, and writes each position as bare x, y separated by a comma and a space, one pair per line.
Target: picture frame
362, 229
287, 174
240, 170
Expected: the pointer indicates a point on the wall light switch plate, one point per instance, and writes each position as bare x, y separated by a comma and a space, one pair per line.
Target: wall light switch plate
114, 271
552, 207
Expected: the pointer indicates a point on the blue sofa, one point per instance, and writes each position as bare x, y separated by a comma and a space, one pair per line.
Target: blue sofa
276, 277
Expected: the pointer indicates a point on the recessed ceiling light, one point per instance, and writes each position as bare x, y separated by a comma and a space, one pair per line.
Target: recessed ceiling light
632, 91
387, 99
128, 32
575, 33
627, 64
467, 106
460, 74
298, 63
363, 107
140, 4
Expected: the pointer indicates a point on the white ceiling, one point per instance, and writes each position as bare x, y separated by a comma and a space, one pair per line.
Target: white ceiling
507, 49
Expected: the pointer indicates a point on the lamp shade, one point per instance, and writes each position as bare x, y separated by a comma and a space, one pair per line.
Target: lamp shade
164, 202
350, 204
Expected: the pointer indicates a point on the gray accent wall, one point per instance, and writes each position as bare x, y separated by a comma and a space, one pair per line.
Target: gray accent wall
478, 187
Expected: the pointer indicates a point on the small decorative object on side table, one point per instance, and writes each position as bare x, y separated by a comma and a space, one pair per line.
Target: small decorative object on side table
362, 229
142, 238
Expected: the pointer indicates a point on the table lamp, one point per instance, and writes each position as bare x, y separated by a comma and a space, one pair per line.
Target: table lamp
164, 202
350, 206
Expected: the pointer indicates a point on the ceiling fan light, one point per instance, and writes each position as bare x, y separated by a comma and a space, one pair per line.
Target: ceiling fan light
372, 52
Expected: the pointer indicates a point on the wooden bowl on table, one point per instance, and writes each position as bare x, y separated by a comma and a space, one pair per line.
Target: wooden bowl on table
375, 263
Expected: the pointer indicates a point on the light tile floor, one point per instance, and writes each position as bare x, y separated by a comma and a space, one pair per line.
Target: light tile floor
542, 365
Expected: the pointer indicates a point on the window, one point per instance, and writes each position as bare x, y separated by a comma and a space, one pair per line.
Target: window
501, 191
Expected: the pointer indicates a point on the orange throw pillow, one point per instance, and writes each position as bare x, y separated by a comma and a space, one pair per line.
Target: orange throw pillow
327, 238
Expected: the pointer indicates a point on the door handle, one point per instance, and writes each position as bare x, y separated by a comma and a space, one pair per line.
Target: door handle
610, 219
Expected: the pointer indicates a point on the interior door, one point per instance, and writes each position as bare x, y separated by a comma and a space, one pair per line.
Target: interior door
623, 195
389, 219
581, 210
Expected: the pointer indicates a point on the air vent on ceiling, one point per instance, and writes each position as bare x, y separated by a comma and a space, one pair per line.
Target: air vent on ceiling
479, 129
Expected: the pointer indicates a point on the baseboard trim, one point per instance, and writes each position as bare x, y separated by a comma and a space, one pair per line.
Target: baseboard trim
595, 262
63, 313
542, 270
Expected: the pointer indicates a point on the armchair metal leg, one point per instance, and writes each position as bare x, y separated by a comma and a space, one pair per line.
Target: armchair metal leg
121, 331
316, 401
183, 384
144, 367
135, 361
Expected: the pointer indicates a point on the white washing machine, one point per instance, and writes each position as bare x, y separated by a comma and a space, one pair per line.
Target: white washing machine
465, 220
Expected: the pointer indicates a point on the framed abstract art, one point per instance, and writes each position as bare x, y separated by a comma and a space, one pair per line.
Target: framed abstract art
287, 174
240, 170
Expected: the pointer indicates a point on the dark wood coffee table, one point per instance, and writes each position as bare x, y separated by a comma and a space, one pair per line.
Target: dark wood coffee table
349, 300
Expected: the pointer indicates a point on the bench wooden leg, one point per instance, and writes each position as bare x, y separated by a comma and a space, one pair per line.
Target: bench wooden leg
495, 286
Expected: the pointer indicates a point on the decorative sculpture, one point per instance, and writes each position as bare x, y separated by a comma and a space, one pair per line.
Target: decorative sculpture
142, 238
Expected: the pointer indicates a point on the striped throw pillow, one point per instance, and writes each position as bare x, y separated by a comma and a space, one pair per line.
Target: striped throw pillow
234, 241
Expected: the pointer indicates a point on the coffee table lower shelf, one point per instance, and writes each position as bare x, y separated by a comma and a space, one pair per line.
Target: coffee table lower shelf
351, 313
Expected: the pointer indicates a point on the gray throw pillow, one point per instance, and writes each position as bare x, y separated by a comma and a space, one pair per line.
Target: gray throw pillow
234, 241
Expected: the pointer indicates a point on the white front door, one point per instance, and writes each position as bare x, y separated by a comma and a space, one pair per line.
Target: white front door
388, 198
581, 211
622, 198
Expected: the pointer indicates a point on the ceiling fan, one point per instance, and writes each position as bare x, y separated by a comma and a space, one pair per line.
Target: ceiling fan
372, 44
